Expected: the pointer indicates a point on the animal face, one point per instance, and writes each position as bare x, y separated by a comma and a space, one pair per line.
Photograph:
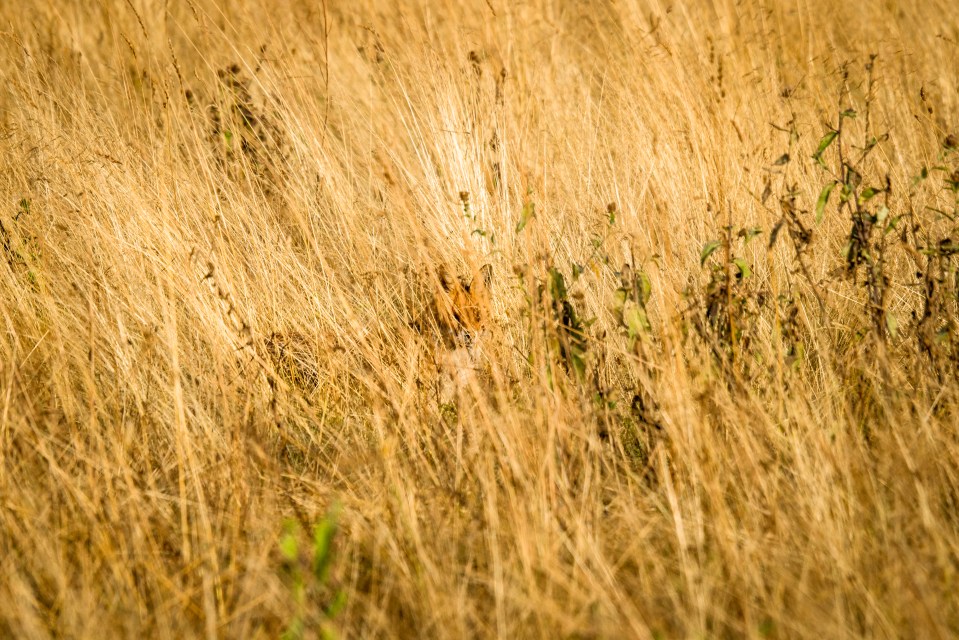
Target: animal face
463, 308
459, 309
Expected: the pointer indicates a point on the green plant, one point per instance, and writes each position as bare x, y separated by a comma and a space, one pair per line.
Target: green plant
724, 309
306, 571
629, 306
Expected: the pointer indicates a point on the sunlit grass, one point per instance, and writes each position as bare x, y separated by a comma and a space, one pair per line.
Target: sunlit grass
559, 320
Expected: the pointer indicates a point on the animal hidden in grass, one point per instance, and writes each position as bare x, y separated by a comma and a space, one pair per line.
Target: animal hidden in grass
460, 311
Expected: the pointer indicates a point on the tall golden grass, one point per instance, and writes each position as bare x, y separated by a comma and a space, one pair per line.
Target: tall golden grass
223, 227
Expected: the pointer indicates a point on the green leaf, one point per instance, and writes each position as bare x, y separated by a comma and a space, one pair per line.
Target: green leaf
823, 199
743, 266
893, 221
339, 602
289, 546
577, 361
823, 145
892, 324
557, 284
846, 193
749, 234
848, 113
621, 296
868, 193
323, 534
529, 210
636, 321
645, 288
708, 250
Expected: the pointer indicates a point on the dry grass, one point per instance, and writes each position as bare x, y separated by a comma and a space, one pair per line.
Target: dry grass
224, 227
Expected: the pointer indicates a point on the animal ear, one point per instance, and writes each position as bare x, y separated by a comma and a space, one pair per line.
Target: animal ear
446, 280
484, 274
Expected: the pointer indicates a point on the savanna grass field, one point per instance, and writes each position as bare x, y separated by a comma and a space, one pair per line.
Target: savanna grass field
479, 319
